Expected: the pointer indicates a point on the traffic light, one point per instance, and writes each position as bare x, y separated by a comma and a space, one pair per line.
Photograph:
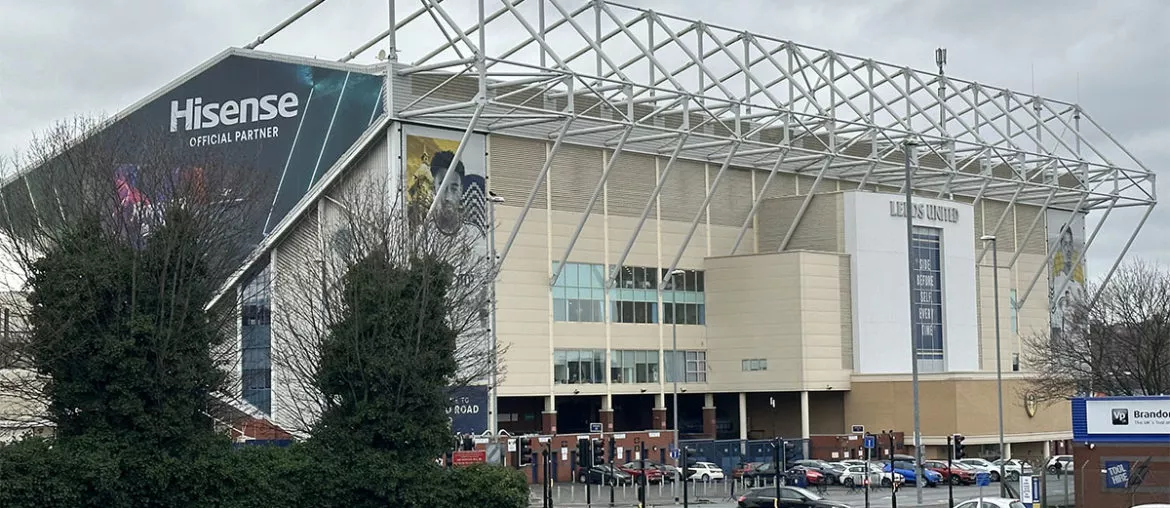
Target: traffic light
582, 452
960, 451
468, 444
523, 451
612, 451
598, 452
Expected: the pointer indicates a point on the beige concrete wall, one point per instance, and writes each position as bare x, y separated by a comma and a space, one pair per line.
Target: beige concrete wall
950, 403
785, 308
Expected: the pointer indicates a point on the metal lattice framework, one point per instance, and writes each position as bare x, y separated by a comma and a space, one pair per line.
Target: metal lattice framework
603, 74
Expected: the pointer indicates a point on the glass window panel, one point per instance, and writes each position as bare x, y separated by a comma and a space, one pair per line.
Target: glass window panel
700, 282
598, 366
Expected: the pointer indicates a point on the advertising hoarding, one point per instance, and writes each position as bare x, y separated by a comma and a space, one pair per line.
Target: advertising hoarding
468, 411
283, 123
1121, 419
1065, 241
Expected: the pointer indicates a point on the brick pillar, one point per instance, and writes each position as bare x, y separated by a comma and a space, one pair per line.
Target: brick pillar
659, 418
709, 422
606, 419
548, 422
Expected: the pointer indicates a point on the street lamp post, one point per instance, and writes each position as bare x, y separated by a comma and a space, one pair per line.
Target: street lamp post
998, 361
908, 150
493, 417
674, 347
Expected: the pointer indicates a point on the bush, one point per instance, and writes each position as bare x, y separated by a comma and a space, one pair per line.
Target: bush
109, 474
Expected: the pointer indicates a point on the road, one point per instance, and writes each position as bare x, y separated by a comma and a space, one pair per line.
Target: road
717, 495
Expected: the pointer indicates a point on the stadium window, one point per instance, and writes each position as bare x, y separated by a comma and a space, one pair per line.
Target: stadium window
686, 302
634, 366
694, 365
755, 364
579, 366
579, 293
256, 341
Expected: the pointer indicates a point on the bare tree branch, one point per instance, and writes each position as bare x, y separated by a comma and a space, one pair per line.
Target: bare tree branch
1119, 346
363, 216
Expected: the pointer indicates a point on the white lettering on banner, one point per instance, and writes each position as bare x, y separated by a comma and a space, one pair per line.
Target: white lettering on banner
1128, 416
223, 138
924, 211
196, 115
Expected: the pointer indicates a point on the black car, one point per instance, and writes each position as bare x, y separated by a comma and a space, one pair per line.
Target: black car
762, 473
790, 497
603, 475
832, 476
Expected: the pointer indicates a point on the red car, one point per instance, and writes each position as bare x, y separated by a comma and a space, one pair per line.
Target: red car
812, 476
744, 467
956, 474
653, 474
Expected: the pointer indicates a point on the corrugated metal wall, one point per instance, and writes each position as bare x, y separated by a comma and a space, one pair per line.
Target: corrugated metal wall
630, 184
846, 313
515, 164
574, 174
683, 191
733, 197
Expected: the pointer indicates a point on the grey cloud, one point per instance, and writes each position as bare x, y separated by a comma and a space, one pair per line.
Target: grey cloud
68, 57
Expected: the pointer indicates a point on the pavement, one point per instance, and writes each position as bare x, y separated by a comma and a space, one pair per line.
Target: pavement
719, 495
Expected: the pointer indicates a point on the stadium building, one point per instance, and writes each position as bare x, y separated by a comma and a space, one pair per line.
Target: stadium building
657, 179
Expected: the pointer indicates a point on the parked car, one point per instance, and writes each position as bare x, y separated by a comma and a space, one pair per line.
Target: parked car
992, 502
704, 471
855, 462
832, 475
790, 497
983, 466
1060, 464
858, 475
669, 472
1014, 468
811, 476
906, 469
653, 475
603, 475
956, 474
763, 473
744, 467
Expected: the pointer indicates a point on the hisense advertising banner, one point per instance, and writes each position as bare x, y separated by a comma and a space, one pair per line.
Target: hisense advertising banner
285, 123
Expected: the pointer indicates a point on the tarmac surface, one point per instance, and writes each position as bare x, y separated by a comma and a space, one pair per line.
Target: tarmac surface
721, 495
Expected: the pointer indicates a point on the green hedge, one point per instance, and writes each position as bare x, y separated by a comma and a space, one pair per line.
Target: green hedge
38, 473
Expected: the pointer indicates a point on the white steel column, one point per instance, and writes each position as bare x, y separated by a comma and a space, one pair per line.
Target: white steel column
804, 420
743, 417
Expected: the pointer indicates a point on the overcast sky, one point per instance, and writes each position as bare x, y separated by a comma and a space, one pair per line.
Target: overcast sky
68, 57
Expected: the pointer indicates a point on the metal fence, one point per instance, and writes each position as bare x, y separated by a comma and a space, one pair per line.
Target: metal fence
728, 453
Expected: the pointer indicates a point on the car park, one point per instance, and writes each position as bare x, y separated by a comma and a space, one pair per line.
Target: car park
704, 471
634, 469
1060, 464
790, 497
991, 502
907, 470
955, 474
603, 475
1014, 468
831, 474
983, 466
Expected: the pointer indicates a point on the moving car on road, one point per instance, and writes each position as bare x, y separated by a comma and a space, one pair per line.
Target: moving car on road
790, 497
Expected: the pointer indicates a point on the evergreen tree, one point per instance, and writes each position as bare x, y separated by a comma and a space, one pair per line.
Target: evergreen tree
120, 334
387, 362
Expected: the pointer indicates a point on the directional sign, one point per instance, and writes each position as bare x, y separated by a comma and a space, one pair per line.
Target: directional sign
982, 479
674, 453
870, 442
859, 429
595, 427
